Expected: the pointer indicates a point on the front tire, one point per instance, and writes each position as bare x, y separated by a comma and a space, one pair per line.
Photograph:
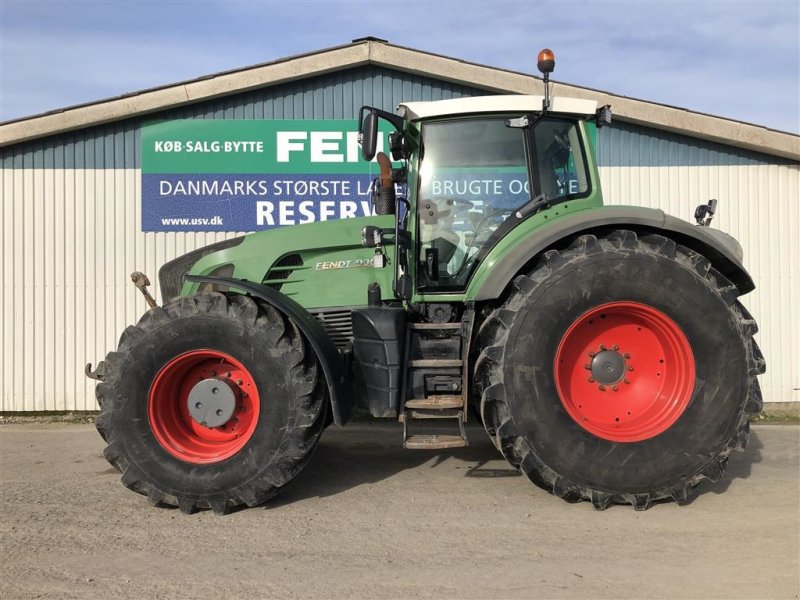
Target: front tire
619, 370
252, 362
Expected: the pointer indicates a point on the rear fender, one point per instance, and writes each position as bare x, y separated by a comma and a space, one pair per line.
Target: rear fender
721, 249
333, 368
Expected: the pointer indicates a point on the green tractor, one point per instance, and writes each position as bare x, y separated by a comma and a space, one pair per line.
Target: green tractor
603, 348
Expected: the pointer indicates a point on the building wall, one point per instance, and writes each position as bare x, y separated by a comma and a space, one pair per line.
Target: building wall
759, 204
71, 231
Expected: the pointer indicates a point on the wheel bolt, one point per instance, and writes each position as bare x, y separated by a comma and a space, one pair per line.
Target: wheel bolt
239, 382
591, 354
213, 373
591, 379
587, 366
630, 368
615, 388
626, 380
626, 355
602, 388
616, 346
602, 347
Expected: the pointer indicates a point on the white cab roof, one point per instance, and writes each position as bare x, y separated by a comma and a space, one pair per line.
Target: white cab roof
492, 104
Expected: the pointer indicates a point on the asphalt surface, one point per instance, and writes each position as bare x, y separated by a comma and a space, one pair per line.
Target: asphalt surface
367, 519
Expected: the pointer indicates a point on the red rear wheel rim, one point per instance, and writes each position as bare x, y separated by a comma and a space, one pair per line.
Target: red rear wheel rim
625, 371
168, 412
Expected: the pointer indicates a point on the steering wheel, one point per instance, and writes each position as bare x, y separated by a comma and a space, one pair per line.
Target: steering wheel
491, 215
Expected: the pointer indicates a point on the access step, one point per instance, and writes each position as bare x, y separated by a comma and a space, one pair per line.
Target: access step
434, 442
439, 413
435, 326
434, 363
436, 402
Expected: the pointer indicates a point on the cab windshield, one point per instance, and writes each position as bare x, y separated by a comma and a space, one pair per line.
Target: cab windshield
473, 176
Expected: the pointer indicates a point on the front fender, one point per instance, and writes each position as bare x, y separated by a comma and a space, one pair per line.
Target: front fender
505, 261
333, 368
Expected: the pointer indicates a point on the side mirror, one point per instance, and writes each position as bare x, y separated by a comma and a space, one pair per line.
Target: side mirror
369, 136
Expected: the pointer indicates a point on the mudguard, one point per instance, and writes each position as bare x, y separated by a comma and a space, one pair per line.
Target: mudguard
342, 405
721, 249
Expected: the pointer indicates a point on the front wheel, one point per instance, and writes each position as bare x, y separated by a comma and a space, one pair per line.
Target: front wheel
212, 401
620, 370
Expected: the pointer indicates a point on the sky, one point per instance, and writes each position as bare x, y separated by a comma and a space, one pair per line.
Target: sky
735, 59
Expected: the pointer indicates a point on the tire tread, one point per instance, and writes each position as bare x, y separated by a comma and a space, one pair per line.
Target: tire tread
299, 359
490, 386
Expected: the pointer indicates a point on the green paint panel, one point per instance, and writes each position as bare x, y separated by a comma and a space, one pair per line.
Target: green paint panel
334, 270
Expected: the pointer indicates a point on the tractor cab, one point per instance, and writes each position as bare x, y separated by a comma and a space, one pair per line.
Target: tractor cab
475, 168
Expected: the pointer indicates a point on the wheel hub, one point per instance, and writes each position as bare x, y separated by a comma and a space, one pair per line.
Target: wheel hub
608, 367
211, 402
624, 371
203, 406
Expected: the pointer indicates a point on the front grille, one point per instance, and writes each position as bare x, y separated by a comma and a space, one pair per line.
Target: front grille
282, 270
338, 323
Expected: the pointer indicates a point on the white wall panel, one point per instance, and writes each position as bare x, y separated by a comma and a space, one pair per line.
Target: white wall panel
70, 240
71, 229
71, 237
759, 204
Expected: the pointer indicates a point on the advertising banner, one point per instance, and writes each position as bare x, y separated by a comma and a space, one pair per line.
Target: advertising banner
225, 175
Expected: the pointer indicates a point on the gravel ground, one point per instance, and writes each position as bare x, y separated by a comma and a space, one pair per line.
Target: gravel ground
368, 519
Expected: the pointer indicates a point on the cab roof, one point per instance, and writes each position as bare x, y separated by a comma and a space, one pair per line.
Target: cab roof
516, 103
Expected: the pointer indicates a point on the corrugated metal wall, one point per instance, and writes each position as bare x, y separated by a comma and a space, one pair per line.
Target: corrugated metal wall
71, 230
759, 204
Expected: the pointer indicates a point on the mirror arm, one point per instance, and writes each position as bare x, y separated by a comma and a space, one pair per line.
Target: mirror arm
395, 120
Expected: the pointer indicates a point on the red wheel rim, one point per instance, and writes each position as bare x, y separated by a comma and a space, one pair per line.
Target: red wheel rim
625, 371
168, 409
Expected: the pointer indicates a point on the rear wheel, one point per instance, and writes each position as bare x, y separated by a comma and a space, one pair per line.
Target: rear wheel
211, 402
620, 370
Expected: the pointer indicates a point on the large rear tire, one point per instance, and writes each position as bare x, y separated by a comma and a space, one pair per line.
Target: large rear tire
255, 367
621, 369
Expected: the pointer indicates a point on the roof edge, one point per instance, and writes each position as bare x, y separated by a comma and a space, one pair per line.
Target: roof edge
373, 51
187, 92
660, 116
